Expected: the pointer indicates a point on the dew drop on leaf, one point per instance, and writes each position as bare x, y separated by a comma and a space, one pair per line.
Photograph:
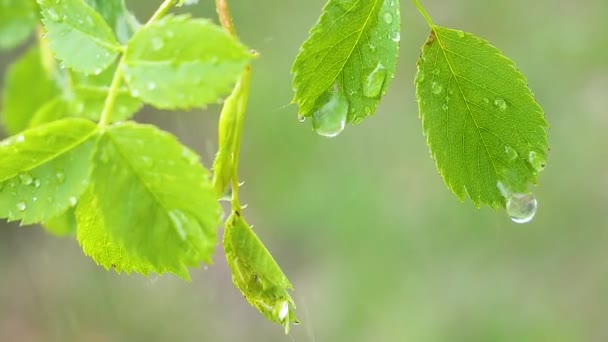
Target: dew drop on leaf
60, 176
151, 85
25, 178
329, 120
36, 183
536, 161
486, 100
521, 207
388, 18
157, 43
500, 104
73, 200
511, 153
301, 118
436, 88
374, 81
396, 36
21, 206
460, 34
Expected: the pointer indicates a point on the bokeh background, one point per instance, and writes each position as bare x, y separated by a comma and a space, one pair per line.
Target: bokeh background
377, 247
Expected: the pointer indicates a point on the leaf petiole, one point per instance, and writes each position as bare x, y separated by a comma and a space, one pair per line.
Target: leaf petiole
424, 13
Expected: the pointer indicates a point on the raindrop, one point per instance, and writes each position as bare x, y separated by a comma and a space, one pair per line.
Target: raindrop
420, 76
134, 92
536, 161
330, 118
374, 81
157, 43
486, 100
388, 18
151, 85
521, 207
25, 178
460, 34
73, 200
60, 177
21, 206
445, 107
500, 104
396, 36
301, 118
36, 183
97, 71
436, 88
511, 153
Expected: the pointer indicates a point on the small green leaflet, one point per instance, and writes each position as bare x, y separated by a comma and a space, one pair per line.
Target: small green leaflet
79, 36
485, 130
117, 17
150, 207
231, 118
346, 65
180, 62
44, 170
17, 21
256, 274
21, 99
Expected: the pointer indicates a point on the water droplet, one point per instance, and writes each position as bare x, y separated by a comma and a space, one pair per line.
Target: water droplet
36, 183
511, 153
25, 178
52, 14
134, 92
151, 85
500, 104
60, 176
301, 118
436, 88
460, 34
486, 100
388, 18
536, 160
420, 76
73, 200
34, 199
157, 43
190, 156
445, 107
97, 71
329, 120
436, 71
396, 36
374, 81
21, 206
521, 207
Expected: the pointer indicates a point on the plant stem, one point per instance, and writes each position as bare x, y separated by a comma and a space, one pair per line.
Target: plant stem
424, 13
108, 106
223, 12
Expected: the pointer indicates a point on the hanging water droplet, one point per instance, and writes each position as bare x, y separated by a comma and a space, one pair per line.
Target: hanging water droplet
329, 120
396, 36
436, 88
73, 201
374, 81
500, 104
536, 160
25, 178
21, 206
521, 207
60, 176
157, 43
388, 18
511, 153
301, 118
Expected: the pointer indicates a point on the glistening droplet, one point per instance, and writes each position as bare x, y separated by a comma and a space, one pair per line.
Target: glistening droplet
500, 104
374, 81
536, 161
329, 120
21, 206
436, 88
26, 178
511, 153
521, 207
301, 118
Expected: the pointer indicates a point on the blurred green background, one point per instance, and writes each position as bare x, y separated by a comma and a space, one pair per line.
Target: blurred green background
377, 247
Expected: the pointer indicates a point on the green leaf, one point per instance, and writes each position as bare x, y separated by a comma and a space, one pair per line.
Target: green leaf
256, 274
63, 224
27, 87
485, 130
79, 35
230, 122
352, 51
179, 62
117, 16
17, 21
151, 207
44, 170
